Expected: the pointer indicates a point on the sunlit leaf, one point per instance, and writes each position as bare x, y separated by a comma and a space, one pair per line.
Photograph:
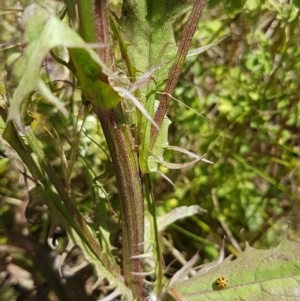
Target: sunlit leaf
147, 31
272, 274
43, 33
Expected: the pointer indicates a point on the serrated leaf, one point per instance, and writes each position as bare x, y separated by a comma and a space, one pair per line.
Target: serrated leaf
269, 275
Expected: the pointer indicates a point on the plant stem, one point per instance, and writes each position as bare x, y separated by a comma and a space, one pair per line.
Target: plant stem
177, 66
131, 196
124, 158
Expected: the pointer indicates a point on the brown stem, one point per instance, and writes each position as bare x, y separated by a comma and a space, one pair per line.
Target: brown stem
103, 33
177, 66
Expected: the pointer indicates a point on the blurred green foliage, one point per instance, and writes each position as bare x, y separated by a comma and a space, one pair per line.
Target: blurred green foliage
246, 88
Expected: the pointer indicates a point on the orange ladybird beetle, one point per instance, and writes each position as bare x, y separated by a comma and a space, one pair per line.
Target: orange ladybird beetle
222, 282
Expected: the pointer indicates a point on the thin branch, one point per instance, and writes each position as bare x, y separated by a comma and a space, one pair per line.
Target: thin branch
175, 71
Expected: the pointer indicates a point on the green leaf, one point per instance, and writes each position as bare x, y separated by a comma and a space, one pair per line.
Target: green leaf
2, 89
44, 32
11, 135
147, 31
3, 111
156, 156
297, 3
272, 274
234, 7
273, 181
89, 71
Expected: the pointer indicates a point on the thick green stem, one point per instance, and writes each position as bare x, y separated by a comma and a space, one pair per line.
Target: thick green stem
121, 147
123, 155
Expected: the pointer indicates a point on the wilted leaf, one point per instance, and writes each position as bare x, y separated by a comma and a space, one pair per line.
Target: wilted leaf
176, 214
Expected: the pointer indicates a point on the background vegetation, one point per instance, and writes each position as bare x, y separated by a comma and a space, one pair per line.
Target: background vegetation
243, 112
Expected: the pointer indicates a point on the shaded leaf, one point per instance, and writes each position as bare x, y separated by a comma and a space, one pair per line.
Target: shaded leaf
234, 7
